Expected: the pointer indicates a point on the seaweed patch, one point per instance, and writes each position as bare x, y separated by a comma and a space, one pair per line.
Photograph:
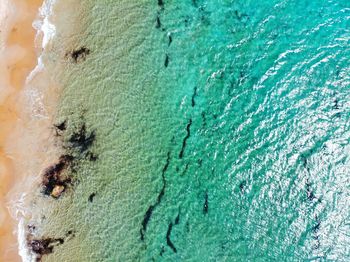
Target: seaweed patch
82, 140
242, 186
315, 231
54, 183
91, 197
166, 61
168, 240
309, 193
158, 23
79, 54
206, 204
185, 169
44, 246
170, 39
61, 127
193, 102
162, 250
92, 157
241, 17
188, 130
148, 214
177, 219
145, 221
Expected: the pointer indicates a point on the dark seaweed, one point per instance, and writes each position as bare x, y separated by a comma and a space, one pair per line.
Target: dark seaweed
70, 233
185, 170
188, 127
315, 230
81, 139
168, 240
158, 23
79, 54
162, 250
170, 40
177, 219
204, 120
242, 185
62, 126
336, 104
160, 3
205, 206
241, 17
92, 157
53, 175
44, 246
193, 102
309, 192
166, 61
148, 214
146, 218
91, 197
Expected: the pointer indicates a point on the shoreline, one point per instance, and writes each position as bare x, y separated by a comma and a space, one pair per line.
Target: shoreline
19, 60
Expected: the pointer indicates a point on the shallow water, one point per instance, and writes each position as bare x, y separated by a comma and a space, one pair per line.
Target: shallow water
207, 131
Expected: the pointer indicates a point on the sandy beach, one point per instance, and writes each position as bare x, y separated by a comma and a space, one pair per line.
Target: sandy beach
18, 59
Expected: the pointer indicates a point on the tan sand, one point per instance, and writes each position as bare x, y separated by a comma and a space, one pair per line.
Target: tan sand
17, 60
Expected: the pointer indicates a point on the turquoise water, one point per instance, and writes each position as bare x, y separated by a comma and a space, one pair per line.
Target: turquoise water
221, 133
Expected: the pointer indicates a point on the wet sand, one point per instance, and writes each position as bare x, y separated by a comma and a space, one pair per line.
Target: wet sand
18, 59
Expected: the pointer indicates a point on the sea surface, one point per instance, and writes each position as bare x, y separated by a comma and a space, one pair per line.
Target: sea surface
203, 130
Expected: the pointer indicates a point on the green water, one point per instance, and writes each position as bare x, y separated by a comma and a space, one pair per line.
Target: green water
222, 133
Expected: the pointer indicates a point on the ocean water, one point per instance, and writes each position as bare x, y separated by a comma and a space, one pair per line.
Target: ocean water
203, 131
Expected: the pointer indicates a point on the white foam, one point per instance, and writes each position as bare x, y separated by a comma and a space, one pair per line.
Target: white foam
43, 25
46, 29
45, 32
22, 240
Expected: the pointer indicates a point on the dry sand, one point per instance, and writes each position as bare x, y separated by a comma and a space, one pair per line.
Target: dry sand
18, 58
